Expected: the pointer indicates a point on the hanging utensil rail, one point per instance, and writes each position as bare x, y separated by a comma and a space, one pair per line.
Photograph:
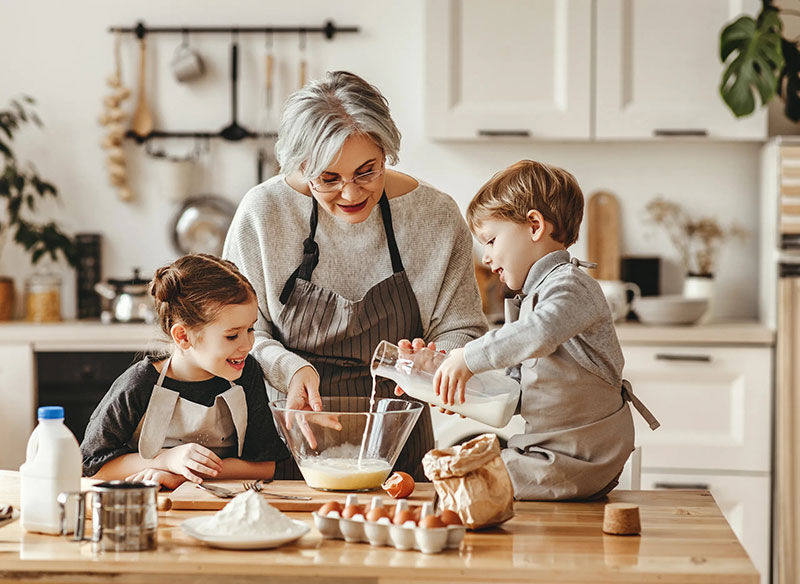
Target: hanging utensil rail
328, 29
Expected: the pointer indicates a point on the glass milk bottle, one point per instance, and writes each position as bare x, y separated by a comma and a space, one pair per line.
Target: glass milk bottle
52, 465
491, 397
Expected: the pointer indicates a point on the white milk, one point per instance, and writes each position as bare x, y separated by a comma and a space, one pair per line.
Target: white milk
344, 474
52, 466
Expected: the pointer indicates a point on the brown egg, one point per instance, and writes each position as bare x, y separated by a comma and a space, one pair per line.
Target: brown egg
377, 513
403, 516
328, 507
352, 510
416, 510
399, 485
451, 517
431, 522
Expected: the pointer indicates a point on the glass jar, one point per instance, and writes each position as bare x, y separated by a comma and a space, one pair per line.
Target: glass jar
43, 298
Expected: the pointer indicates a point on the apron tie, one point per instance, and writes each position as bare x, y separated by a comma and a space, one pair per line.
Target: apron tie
627, 395
582, 263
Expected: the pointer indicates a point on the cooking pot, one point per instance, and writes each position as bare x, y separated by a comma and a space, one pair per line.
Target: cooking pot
130, 301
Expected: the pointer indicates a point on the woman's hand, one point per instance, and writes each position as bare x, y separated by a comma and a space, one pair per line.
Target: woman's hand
190, 461
166, 479
450, 381
303, 392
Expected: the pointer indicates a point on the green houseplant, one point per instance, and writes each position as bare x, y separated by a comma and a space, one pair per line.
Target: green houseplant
759, 60
21, 189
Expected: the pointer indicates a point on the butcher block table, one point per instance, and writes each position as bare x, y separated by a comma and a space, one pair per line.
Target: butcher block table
684, 538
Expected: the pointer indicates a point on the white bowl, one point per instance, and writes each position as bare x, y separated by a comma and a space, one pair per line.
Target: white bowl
670, 309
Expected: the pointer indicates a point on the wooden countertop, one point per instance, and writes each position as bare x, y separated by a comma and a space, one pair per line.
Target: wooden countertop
684, 538
78, 335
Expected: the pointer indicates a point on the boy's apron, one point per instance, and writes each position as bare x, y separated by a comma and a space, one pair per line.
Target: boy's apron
171, 421
338, 336
578, 428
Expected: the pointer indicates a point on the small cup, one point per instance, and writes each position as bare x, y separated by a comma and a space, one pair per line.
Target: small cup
616, 293
186, 63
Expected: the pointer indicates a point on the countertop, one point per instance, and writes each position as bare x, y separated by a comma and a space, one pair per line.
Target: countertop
684, 539
93, 335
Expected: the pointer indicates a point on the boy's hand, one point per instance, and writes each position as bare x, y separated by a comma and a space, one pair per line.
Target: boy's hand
191, 461
450, 381
166, 479
407, 346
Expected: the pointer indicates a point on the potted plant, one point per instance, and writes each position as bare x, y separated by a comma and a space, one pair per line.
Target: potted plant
697, 240
21, 189
759, 60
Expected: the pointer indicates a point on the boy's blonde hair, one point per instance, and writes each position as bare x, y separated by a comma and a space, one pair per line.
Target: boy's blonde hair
527, 185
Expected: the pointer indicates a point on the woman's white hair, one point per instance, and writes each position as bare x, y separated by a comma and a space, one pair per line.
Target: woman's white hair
317, 120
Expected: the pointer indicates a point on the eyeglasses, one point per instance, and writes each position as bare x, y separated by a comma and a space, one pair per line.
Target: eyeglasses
359, 180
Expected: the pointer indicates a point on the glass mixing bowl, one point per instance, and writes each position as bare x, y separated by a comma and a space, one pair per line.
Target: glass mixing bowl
348, 446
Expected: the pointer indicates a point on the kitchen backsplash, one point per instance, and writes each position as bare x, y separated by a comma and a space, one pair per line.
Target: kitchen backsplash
709, 178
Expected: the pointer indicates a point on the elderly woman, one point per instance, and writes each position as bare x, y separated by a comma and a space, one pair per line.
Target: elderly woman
344, 252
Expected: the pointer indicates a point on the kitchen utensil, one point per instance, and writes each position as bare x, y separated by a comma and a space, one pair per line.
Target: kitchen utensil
201, 224
193, 528
670, 309
349, 445
603, 235
188, 497
124, 515
142, 120
258, 487
616, 293
234, 131
186, 63
302, 69
130, 299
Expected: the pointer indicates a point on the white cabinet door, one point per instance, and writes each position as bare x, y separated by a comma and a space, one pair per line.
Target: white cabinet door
714, 405
658, 70
744, 500
508, 68
17, 403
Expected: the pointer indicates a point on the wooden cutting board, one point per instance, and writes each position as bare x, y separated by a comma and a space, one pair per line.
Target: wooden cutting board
603, 235
189, 496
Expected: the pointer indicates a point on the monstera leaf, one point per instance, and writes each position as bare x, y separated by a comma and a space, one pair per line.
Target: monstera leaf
756, 63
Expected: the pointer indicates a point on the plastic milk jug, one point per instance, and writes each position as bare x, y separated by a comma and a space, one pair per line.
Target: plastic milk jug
491, 397
52, 465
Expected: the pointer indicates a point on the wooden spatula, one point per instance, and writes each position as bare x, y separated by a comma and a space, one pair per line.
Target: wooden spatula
142, 120
603, 235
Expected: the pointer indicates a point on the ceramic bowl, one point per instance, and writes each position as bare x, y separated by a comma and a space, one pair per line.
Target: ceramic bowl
670, 309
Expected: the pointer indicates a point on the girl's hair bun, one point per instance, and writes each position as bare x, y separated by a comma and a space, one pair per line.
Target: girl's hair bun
166, 285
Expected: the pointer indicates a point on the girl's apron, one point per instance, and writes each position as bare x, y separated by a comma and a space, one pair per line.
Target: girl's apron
338, 336
568, 452
171, 421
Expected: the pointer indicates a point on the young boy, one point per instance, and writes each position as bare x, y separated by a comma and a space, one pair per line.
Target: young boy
558, 337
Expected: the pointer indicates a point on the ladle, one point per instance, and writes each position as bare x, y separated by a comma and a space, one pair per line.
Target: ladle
234, 131
142, 120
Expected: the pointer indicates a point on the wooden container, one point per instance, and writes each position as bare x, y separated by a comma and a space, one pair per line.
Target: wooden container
6, 298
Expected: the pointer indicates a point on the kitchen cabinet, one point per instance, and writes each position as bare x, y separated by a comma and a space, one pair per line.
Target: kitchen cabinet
715, 408
18, 401
580, 70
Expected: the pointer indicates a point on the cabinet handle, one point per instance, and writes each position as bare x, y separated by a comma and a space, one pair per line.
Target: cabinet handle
504, 133
694, 486
694, 358
678, 133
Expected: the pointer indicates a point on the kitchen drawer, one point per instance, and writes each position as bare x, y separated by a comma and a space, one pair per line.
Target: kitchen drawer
714, 405
743, 499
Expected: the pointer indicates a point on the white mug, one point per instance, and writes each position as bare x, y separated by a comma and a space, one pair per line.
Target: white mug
186, 63
616, 293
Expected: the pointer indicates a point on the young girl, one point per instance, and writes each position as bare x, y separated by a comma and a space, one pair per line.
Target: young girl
202, 411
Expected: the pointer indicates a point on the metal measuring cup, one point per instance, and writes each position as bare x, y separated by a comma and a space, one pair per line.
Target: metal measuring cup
124, 515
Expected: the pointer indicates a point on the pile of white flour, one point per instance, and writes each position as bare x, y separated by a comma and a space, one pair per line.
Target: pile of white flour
248, 514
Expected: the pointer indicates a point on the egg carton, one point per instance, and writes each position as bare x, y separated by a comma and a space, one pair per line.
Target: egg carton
408, 536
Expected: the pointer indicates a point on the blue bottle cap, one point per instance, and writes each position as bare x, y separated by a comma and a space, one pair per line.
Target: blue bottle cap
51, 413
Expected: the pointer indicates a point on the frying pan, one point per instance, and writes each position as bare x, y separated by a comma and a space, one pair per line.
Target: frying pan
201, 224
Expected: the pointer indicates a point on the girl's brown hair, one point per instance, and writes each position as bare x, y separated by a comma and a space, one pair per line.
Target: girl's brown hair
527, 185
194, 288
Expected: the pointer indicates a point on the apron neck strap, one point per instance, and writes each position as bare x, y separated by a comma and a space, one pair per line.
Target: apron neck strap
311, 249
